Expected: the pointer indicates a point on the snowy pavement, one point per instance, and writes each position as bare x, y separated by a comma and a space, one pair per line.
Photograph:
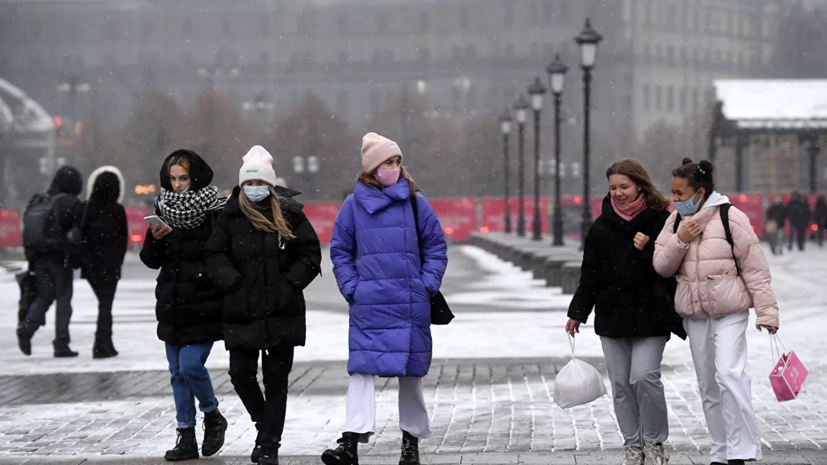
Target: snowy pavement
489, 390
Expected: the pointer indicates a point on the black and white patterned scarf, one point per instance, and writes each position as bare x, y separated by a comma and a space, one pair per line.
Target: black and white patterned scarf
187, 210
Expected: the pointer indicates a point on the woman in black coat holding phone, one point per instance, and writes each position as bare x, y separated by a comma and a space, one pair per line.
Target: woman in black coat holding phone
105, 240
188, 307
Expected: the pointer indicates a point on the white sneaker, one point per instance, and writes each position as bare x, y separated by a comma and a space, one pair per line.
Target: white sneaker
634, 456
655, 454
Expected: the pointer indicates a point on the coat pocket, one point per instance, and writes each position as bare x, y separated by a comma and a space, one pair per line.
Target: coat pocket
235, 305
683, 298
726, 294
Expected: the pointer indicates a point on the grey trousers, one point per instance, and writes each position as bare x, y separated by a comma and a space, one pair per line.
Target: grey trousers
634, 372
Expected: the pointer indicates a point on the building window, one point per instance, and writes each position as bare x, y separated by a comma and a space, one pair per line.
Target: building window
225, 26
646, 96
344, 57
424, 21
683, 100
647, 54
341, 24
657, 98
264, 58
342, 102
382, 24
510, 53
464, 20
695, 102
307, 58
470, 52
187, 27
111, 31
670, 56
374, 102
265, 25
508, 17
146, 29
548, 12
456, 54
186, 59
423, 55
670, 99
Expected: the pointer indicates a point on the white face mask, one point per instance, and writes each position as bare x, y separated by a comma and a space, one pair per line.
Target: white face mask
256, 193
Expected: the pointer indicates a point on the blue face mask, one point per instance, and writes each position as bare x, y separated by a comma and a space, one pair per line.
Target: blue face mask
690, 206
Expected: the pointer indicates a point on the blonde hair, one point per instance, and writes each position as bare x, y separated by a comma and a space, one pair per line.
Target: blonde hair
370, 179
260, 222
180, 160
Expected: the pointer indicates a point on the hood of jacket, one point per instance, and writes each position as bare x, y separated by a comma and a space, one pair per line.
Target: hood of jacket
200, 172
67, 180
91, 192
374, 200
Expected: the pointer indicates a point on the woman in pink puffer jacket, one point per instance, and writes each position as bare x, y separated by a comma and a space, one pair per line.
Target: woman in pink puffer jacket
714, 296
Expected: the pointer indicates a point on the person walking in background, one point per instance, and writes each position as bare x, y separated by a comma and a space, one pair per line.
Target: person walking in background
776, 222
105, 240
388, 278
263, 253
712, 248
51, 240
188, 306
632, 314
820, 219
798, 214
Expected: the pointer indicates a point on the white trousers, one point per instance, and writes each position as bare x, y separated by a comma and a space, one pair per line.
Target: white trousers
719, 352
361, 407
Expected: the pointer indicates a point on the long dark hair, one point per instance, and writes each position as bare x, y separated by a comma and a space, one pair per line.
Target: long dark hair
638, 174
698, 175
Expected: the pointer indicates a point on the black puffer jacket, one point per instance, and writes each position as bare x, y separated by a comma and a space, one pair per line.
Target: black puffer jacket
69, 182
620, 282
263, 282
105, 229
188, 306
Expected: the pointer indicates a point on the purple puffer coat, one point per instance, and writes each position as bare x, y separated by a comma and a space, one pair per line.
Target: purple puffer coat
377, 266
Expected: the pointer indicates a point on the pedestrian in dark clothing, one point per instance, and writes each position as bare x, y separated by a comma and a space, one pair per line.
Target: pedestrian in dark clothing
105, 239
263, 253
188, 306
798, 214
776, 221
820, 218
52, 257
632, 313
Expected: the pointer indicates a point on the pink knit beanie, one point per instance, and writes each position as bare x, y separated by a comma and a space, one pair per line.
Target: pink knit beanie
377, 150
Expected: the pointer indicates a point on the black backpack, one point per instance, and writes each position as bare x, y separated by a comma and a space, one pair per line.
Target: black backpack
41, 224
724, 211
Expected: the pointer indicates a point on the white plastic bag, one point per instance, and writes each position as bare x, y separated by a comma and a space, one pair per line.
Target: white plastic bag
578, 383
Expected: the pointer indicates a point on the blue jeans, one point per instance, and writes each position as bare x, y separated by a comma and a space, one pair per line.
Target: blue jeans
190, 379
54, 282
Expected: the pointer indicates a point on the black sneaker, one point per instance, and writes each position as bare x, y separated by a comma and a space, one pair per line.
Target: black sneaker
735, 462
215, 425
346, 453
104, 348
62, 350
410, 450
269, 452
186, 447
257, 449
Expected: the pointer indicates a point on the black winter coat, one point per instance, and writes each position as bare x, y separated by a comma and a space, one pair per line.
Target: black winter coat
619, 281
777, 213
264, 282
67, 181
105, 230
188, 306
798, 213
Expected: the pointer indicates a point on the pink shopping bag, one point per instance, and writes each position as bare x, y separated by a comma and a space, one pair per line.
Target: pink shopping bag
789, 374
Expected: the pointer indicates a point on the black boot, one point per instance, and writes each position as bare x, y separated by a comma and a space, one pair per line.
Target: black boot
62, 350
257, 449
346, 453
24, 337
269, 452
186, 447
215, 425
104, 348
410, 450
736, 462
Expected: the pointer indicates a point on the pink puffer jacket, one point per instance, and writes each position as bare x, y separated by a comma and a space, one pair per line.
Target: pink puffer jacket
708, 285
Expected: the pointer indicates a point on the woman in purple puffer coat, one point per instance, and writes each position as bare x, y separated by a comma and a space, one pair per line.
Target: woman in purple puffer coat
387, 278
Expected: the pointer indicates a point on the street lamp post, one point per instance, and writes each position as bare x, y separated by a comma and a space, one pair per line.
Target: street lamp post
521, 110
557, 75
587, 40
536, 91
505, 127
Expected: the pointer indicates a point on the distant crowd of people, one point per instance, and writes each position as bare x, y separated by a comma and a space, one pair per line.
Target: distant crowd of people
799, 217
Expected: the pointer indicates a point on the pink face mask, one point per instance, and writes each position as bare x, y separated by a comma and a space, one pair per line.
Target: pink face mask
387, 176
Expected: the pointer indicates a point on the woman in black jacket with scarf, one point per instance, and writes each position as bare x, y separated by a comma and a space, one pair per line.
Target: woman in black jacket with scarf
188, 307
105, 240
631, 300
263, 253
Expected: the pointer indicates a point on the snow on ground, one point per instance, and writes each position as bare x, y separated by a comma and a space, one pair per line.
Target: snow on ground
522, 329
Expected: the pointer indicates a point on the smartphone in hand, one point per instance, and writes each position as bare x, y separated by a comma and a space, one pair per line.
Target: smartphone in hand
153, 220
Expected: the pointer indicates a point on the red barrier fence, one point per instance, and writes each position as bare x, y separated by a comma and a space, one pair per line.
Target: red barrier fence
459, 216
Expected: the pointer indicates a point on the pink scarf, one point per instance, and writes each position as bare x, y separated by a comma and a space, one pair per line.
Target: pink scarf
632, 210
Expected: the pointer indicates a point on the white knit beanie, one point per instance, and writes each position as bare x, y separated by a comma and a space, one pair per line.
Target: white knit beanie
258, 165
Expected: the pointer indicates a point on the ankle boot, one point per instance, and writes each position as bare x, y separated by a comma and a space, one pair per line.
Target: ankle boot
346, 453
62, 350
104, 348
260, 438
215, 425
186, 447
269, 452
24, 337
410, 450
